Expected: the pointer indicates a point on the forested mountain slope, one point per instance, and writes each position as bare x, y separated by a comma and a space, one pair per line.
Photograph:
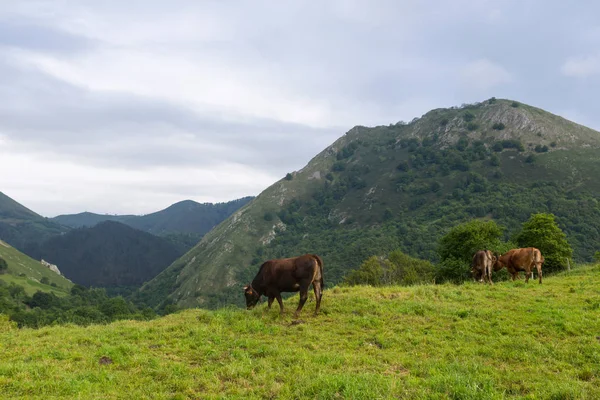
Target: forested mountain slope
402, 186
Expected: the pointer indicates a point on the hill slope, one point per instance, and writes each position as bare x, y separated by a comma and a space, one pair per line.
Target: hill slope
462, 342
23, 228
402, 186
183, 217
28, 272
109, 254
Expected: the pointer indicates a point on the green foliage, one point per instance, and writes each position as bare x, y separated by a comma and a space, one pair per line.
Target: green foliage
512, 144
597, 256
498, 126
288, 177
45, 280
514, 104
82, 306
542, 231
541, 149
397, 269
472, 126
530, 159
3, 265
553, 144
268, 216
457, 247
494, 160
468, 116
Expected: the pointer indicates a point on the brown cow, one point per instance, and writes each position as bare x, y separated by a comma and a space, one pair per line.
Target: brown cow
481, 266
287, 275
517, 260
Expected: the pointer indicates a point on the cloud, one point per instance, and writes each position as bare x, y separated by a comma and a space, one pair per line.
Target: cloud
484, 74
118, 107
582, 67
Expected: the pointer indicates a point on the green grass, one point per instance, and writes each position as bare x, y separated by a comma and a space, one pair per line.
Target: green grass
443, 342
27, 272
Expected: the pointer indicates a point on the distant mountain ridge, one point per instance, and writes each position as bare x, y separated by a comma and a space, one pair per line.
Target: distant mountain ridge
23, 228
402, 186
186, 216
109, 254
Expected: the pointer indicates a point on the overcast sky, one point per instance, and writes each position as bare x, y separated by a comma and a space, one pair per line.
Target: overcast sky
129, 106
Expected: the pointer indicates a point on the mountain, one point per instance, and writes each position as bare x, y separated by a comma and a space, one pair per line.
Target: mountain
88, 219
402, 186
30, 273
109, 254
23, 228
183, 217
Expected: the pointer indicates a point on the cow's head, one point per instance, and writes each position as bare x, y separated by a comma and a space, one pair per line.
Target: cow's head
252, 296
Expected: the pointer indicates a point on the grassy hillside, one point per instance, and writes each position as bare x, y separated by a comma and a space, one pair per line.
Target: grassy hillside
470, 341
27, 272
23, 228
402, 186
109, 254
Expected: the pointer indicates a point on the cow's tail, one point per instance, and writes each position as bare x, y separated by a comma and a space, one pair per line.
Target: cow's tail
320, 264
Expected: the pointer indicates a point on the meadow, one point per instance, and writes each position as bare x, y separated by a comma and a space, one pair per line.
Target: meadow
468, 341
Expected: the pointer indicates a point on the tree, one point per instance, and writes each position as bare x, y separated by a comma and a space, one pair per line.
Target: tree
541, 231
369, 273
457, 247
3, 265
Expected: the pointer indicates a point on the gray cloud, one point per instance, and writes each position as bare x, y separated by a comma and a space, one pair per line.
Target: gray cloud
256, 87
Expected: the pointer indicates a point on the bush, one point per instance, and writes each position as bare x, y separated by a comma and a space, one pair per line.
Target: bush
45, 281
472, 126
397, 269
288, 177
542, 232
514, 104
597, 256
498, 126
468, 116
530, 159
3, 265
541, 149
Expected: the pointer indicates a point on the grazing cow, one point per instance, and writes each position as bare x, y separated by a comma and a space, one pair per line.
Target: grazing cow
517, 260
287, 275
481, 266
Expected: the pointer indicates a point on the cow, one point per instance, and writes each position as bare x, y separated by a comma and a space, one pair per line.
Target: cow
517, 260
481, 266
287, 275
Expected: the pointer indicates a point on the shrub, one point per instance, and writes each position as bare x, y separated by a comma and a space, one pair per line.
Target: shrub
3, 265
498, 126
514, 104
553, 144
45, 281
472, 126
288, 177
468, 116
530, 159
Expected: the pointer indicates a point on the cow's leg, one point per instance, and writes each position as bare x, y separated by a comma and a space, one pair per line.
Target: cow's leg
489, 275
271, 298
318, 294
303, 297
527, 274
539, 271
280, 301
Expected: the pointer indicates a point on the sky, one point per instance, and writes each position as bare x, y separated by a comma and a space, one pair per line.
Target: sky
127, 107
